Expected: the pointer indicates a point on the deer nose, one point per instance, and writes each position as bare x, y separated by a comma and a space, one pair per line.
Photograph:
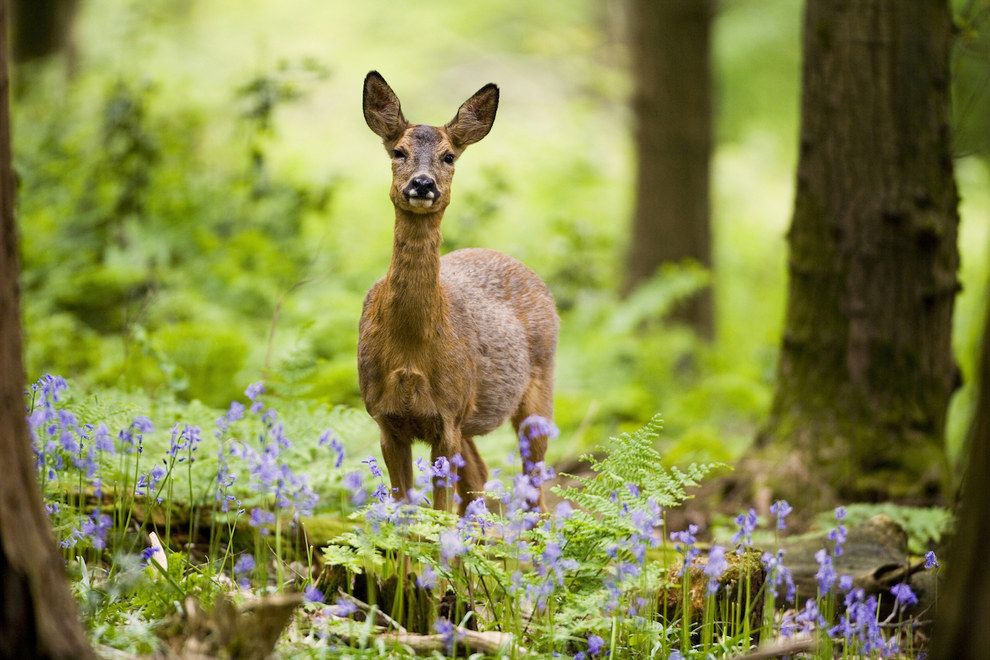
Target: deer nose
421, 186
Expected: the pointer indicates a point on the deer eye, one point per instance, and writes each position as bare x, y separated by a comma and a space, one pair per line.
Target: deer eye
398, 153
449, 159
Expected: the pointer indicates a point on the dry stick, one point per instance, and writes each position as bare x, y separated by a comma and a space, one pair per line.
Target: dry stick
383, 619
781, 647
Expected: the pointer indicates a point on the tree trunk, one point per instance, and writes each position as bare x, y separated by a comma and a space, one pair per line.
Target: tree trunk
673, 114
866, 369
961, 632
37, 612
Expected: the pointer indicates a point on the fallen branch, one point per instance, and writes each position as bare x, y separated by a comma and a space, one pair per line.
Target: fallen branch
781, 647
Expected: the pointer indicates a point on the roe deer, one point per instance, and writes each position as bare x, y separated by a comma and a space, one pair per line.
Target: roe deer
448, 348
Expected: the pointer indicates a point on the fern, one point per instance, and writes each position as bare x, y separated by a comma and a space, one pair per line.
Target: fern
632, 476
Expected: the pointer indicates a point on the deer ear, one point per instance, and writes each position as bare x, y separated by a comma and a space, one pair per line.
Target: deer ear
474, 118
381, 108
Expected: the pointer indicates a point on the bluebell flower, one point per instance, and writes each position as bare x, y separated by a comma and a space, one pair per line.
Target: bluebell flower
716, 567
372, 464
260, 519
747, 524
381, 493
809, 618
96, 526
684, 543
931, 561
330, 438
564, 510
826, 573
838, 533
254, 390
353, 482
845, 582
530, 429
236, 412
780, 574
458, 461
245, 564
344, 607
781, 509
313, 595
595, 644
451, 545
441, 470
102, 440
904, 595
427, 579
859, 622
446, 629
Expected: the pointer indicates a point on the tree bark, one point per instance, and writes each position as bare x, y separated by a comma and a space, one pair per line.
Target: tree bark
961, 632
673, 115
37, 613
866, 369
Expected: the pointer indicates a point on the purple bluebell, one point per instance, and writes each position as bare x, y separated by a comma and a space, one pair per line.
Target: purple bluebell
96, 526
826, 573
595, 644
427, 579
451, 545
684, 543
839, 532
716, 567
781, 509
344, 607
747, 524
904, 594
372, 464
931, 561
313, 594
261, 518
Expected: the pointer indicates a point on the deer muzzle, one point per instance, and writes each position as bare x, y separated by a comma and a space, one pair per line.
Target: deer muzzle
420, 191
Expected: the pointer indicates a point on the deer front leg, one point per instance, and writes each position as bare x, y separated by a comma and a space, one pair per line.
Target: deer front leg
398, 459
448, 444
473, 475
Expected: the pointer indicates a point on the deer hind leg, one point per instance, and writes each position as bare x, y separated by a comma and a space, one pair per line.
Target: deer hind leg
537, 400
473, 475
398, 459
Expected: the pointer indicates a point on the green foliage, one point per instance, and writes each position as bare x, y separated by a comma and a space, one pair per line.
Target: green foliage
632, 472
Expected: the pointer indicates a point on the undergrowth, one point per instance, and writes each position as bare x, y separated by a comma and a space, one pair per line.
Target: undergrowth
150, 521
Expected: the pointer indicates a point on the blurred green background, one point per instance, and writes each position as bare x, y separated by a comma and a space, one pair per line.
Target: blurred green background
201, 205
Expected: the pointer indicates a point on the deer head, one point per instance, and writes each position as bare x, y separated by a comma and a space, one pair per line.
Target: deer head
423, 156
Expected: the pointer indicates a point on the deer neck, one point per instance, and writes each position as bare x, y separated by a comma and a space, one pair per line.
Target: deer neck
413, 295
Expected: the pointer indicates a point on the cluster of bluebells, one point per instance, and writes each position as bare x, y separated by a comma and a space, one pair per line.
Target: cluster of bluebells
268, 471
66, 449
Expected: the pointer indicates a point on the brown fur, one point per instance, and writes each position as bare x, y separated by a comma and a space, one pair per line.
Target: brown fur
448, 348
